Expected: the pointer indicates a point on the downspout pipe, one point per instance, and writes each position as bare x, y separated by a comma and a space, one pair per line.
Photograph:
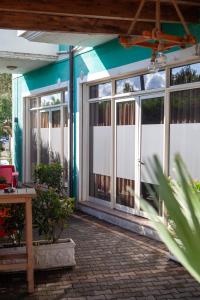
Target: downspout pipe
71, 120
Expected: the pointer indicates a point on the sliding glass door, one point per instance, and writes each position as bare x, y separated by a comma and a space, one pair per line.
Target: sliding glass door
151, 132
100, 156
125, 154
185, 129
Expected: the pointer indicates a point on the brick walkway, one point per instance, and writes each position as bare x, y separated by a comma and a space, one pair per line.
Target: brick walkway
112, 263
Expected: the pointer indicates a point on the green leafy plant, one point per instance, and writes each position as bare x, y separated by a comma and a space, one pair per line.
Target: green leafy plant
50, 175
51, 208
51, 213
182, 202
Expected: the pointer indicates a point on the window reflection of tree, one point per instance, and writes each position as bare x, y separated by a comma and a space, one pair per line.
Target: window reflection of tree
186, 74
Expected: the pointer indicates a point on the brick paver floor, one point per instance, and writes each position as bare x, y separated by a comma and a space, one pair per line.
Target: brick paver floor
112, 263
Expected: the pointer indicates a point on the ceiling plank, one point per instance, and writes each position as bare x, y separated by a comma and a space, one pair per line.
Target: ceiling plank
103, 9
29, 21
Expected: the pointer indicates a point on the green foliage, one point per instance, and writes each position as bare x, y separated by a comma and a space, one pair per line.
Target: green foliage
182, 202
2, 180
50, 176
51, 208
51, 212
5, 104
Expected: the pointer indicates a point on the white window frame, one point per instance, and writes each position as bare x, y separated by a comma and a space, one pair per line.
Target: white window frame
84, 160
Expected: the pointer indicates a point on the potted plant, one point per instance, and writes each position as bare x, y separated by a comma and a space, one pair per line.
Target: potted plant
3, 183
51, 211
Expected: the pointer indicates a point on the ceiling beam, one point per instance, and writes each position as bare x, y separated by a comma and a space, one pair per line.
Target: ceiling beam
103, 9
41, 22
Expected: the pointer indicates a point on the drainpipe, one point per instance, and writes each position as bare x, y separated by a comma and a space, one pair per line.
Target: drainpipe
71, 119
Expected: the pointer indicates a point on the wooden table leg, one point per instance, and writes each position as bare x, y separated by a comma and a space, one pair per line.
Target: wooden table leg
29, 247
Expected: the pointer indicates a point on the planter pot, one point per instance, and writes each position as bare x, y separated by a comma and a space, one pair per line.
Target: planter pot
46, 256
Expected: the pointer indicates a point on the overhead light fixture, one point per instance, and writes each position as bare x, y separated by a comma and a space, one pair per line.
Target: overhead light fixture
11, 67
158, 61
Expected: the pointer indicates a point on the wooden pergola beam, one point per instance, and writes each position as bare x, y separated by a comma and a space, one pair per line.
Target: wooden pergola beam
103, 9
43, 22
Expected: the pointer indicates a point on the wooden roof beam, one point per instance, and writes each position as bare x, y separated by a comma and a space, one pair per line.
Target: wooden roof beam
41, 22
104, 9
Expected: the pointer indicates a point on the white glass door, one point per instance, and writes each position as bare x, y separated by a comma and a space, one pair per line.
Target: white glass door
125, 132
151, 133
100, 156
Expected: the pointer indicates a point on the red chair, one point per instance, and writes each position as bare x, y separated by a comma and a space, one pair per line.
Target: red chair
8, 172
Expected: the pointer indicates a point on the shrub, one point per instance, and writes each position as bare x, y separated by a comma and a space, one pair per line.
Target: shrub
50, 176
51, 208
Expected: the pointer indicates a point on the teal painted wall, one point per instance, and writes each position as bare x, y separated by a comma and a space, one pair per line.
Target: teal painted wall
102, 57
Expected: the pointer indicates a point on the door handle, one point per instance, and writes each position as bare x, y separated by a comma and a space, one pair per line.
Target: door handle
141, 162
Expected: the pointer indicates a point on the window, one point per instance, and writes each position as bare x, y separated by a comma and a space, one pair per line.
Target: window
100, 113
48, 117
56, 119
127, 85
185, 74
100, 90
153, 111
154, 81
44, 120
50, 100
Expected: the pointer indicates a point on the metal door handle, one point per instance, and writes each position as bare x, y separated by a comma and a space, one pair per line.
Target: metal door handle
141, 162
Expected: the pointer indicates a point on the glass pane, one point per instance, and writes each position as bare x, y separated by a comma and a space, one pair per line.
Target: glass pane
33, 102
100, 150
105, 89
126, 85
44, 138
93, 91
55, 118
185, 129
33, 141
100, 90
66, 138
44, 120
185, 74
50, 100
56, 137
155, 80
153, 111
125, 152
151, 144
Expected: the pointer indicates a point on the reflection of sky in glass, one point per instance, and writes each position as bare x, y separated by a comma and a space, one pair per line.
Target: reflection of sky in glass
67, 97
128, 85
51, 99
105, 89
154, 81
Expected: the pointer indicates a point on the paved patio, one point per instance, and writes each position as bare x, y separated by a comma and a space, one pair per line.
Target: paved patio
112, 263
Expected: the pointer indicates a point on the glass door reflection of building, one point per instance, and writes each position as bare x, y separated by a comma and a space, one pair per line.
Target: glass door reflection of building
100, 156
151, 143
125, 154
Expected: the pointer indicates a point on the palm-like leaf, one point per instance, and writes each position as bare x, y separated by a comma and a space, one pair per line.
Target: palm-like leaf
183, 208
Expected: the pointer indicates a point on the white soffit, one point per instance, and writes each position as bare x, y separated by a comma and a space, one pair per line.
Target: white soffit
74, 39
